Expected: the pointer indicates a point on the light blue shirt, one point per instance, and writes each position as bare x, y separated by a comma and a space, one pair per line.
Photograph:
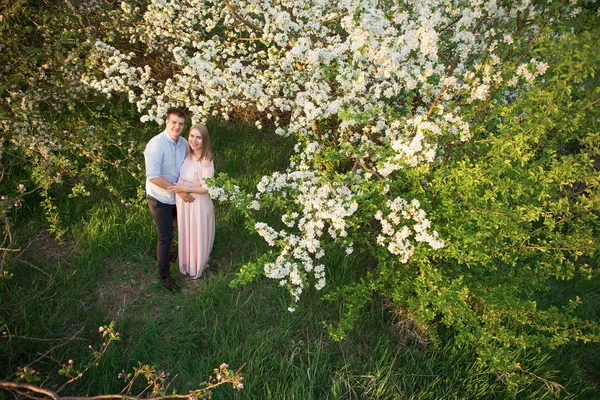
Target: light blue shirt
163, 159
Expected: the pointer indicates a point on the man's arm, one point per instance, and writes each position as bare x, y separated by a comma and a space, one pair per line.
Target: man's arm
162, 182
165, 184
153, 160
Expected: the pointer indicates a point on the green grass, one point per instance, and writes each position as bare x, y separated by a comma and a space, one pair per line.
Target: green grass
105, 271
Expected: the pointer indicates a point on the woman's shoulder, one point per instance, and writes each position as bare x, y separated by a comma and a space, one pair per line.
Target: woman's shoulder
206, 162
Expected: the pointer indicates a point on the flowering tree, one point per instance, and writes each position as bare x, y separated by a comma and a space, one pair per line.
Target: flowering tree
370, 89
430, 134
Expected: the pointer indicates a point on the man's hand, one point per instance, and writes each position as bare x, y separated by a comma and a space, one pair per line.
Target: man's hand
161, 182
179, 188
188, 198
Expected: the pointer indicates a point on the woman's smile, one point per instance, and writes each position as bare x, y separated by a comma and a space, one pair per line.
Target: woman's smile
195, 140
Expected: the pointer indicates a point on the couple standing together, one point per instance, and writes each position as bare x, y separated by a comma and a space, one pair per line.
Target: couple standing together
175, 173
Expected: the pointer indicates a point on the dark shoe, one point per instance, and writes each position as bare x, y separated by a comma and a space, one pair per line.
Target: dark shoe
167, 283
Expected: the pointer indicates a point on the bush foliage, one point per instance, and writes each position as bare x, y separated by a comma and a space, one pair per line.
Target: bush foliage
514, 204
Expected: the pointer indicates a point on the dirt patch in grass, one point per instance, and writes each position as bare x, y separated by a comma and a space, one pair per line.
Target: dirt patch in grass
120, 287
408, 331
131, 286
45, 247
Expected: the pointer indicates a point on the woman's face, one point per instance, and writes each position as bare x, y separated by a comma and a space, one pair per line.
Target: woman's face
195, 140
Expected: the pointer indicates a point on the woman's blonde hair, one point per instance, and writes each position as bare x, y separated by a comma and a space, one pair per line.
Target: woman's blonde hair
206, 151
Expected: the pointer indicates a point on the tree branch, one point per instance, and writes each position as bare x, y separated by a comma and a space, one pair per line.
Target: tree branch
242, 20
49, 351
437, 98
591, 104
27, 386
324, 21
454, 21
53, 395
443, 89
544, 248
529, 46
244, 39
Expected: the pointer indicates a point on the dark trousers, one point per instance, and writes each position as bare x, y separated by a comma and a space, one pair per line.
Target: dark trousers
163, 215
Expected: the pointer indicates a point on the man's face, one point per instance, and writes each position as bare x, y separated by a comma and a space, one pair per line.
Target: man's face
175, 126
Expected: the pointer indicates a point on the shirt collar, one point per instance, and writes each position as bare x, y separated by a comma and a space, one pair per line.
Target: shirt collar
170, 139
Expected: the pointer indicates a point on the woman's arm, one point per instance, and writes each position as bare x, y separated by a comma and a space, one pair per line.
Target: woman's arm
180, 188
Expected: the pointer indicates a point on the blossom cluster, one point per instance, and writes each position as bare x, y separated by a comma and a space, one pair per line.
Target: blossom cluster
395, 233
224, 374
323, 210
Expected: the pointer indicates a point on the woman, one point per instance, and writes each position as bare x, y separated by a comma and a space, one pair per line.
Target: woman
195, 220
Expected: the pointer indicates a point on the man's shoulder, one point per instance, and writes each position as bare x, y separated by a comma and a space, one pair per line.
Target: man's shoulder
157, 137
156, 141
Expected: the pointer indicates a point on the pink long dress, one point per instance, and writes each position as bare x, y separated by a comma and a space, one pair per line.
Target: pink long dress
195, 220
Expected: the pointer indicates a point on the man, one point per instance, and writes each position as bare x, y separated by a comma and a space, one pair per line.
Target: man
164, 155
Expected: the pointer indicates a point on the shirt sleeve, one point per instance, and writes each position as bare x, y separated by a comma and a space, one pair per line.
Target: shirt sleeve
153, 157
208, 171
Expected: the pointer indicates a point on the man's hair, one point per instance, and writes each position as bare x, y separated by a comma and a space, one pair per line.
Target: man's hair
176, 111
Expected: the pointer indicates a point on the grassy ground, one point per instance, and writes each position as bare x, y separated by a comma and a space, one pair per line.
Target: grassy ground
104, 271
